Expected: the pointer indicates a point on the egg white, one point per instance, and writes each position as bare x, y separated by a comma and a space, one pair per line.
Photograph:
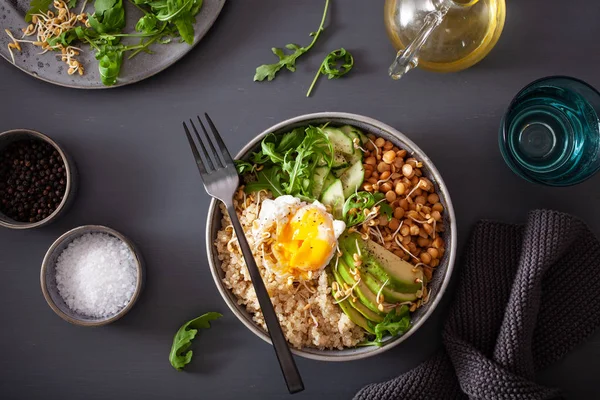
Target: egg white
275, 214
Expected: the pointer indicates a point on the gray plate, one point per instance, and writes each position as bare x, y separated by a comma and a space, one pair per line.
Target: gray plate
49, 68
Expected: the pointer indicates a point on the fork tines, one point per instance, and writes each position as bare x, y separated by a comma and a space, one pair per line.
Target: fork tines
212, 160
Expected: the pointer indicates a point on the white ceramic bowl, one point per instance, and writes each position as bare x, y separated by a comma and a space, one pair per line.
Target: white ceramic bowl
441, 275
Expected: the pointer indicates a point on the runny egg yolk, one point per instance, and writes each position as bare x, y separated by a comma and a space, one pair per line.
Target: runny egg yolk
306, 243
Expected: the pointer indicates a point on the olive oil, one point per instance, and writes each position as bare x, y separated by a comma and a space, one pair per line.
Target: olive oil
468, 30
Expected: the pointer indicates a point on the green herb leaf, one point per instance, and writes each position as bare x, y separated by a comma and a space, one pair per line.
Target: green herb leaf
109, 16
100, 6
185, 26
36, 7
196, 6
65, 38
395, 323
267, 179
290, 161
146, 24
329, 66
291, 140
110, 59
353, 210
179, 356
72, 3
179, 14
268, 71
244, 167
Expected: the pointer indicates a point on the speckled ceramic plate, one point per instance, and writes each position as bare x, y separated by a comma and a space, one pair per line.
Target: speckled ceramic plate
49, 68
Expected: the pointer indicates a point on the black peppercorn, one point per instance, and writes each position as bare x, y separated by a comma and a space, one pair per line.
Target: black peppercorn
31, 180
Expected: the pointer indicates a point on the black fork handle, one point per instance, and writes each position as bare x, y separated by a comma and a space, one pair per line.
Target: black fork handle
284, 355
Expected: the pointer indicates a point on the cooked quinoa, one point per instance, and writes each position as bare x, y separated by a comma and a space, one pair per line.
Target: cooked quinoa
307, 313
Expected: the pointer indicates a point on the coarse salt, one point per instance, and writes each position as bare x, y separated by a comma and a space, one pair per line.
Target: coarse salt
96, 275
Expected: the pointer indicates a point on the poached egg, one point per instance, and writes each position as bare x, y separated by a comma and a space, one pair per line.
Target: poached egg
302, 236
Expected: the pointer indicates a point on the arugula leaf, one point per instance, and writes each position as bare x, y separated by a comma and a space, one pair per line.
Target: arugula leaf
291, 140
267, 179
146, 24
109, 16
110, 59
104, 5
185, 26
395, 323
289, 162
184, 336
180, 13
72, 3
196, 6
37, 6
268, 146
65, 38
329, 66
268, 71
353, 210
244, 167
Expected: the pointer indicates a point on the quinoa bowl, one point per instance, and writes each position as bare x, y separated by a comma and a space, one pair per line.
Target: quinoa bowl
334, 336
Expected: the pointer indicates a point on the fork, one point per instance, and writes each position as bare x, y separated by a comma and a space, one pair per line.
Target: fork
221, 181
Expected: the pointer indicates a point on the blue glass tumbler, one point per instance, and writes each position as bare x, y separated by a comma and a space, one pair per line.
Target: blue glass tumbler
551, 132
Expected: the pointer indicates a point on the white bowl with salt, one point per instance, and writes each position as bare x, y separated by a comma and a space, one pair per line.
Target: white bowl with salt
92, 275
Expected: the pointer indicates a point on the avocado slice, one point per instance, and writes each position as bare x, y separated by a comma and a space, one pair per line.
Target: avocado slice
360, 307
383, 265
354, 315
389, 294
366, 296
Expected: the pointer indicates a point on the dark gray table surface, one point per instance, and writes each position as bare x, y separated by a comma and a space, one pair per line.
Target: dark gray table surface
137, 176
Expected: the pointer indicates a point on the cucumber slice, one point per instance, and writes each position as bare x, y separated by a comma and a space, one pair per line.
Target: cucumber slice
353, 132
350, 131
356, 158
333, 196
321, 174
341, 143
328, 181
339, 161
338, 172
352, 178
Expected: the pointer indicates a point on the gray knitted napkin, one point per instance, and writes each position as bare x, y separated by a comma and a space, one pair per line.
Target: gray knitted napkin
527, 295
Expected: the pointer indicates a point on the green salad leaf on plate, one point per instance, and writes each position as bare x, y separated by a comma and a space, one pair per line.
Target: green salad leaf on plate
36, 7
162, 21
109, 16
